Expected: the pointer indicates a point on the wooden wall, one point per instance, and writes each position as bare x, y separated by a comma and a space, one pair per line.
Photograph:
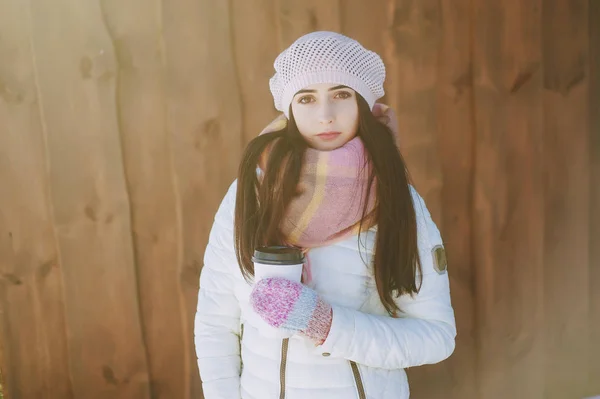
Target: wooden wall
122, 124
594, 248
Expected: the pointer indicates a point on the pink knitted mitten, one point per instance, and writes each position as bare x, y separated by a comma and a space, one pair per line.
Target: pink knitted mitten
286, 304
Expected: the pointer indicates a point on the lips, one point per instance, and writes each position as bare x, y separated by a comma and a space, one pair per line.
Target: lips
329, 135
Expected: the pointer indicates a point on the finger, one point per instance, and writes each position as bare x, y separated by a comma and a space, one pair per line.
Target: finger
380, 109
384, 119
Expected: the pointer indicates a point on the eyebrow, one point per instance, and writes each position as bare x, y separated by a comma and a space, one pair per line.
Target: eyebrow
330, 89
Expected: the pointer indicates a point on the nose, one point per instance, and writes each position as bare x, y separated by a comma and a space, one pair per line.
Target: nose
325, 113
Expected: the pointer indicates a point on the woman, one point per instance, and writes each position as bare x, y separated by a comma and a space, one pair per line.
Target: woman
326, 177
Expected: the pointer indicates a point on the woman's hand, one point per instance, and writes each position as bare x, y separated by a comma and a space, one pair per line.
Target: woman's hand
286, 304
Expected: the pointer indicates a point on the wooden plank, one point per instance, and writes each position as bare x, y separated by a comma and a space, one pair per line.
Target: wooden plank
566, 191
367, 22
594, 258
34, 359
297, 18
135, 28
508, 218
439, 132
411, 51
204, 120
457, 376
76, 69
415, 31
255, 47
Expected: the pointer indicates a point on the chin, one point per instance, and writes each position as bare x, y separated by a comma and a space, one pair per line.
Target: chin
327, 146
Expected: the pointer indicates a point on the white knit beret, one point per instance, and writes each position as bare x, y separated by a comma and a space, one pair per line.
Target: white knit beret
326, 57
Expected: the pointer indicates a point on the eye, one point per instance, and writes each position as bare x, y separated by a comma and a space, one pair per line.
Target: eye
343, 95
305, 99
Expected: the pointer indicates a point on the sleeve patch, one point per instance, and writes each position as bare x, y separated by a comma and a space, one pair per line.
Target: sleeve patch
440, 263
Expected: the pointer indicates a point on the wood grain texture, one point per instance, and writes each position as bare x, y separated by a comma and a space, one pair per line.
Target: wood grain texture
594, 224
135, 29
255, 47
354, 13
566, 197
297, 18
508, 218
204, 121
90, 202
446, 113
122, 125
416, 32
457, 377
34, 359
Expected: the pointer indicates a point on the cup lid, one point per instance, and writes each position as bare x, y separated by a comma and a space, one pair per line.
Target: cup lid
278, 255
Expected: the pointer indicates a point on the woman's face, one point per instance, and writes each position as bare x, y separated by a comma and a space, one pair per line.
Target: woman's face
326, 115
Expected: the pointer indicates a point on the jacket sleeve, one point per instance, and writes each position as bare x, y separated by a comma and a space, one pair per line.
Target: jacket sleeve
217, 321
425, 331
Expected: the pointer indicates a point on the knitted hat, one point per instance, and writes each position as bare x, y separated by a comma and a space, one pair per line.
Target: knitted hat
326, 57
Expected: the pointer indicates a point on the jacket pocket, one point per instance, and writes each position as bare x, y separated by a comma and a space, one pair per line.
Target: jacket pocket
360, 388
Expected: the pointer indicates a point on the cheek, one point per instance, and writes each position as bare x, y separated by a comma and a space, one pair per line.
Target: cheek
348, 113
302, 118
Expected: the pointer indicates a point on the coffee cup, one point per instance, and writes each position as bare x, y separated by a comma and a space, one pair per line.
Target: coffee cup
278, 261
275, 261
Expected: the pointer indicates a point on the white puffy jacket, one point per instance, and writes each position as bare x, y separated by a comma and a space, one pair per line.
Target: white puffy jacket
366, 351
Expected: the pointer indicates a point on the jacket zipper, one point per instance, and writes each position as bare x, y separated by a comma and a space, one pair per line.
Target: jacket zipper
357, 378
241, 343
284, 350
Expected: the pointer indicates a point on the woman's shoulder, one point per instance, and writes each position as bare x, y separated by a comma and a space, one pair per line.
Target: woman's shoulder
417, 199
421, 211
226, 211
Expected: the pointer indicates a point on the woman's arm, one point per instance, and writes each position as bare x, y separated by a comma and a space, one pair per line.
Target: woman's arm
425, 331
217, 322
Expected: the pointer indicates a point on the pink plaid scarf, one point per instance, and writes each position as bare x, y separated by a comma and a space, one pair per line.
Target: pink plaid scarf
333, 191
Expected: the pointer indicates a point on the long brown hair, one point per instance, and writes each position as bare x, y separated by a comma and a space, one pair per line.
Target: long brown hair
261, 204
